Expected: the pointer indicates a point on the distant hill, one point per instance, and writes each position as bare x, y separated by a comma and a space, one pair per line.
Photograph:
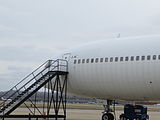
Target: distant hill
77, 99
40, 96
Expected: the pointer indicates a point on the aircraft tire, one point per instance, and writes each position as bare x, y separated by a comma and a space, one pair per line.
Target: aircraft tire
108, 116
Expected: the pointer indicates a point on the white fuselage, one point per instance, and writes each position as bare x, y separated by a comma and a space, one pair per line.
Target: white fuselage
133, 79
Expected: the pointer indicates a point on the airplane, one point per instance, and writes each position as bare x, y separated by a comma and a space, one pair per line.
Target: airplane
115, 69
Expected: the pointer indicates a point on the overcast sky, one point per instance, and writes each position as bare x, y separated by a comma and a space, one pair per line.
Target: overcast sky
32, 31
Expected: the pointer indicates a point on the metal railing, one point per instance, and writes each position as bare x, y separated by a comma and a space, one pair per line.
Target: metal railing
50, 65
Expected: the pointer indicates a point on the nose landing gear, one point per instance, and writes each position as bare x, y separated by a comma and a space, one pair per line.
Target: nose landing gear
107, 114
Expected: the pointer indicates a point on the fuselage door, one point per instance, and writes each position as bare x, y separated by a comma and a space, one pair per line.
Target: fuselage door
66, 56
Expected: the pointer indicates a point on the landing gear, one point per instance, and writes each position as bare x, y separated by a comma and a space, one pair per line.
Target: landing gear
107, 115
131, 112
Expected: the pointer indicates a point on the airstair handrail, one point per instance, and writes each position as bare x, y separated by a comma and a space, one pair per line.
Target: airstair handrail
24, 79
50, 67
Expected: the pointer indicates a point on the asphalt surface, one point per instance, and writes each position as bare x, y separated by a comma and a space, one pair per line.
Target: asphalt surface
88, 114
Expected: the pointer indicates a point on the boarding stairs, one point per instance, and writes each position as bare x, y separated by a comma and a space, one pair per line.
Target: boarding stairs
27, 87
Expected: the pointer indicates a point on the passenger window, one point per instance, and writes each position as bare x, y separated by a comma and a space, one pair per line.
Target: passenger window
137, 58
87, 61
92, 60
106, 59
96, 60
75, 61
116, 59
121, 58
111, 59
159, 57
154, 57
148, 57
79, 61
83, 61
143, 57
132, 58
101, 60
126, 58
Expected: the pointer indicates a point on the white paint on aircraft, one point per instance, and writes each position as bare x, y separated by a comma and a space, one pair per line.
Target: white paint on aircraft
122, 80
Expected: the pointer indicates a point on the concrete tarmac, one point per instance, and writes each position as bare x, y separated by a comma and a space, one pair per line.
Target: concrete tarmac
90, 114
96, 115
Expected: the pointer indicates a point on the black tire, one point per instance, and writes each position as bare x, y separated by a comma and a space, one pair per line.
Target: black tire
122, 118
108, 116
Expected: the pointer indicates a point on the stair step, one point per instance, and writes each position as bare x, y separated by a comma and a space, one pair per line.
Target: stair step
23, 93
16, 99
3, 108
8, 105
11, 102
31, 89
18, 96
